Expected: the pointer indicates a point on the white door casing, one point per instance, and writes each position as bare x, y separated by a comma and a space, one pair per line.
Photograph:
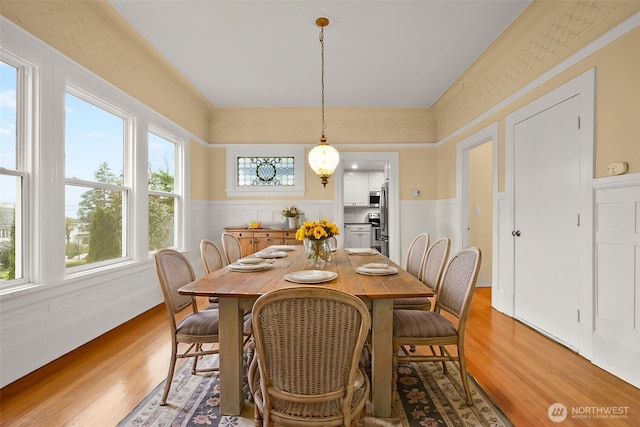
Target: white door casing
490, 133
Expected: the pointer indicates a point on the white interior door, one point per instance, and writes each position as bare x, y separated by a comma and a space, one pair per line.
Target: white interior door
546, 192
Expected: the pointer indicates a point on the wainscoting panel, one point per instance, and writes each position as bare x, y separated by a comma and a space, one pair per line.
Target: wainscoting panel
40, 324
616, 338
448, 222
415, 218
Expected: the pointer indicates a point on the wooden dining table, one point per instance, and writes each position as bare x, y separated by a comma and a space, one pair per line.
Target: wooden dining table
237, 291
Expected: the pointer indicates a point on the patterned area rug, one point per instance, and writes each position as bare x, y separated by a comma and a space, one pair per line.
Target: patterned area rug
426, 398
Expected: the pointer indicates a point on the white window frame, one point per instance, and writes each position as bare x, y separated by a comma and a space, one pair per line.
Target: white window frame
26, 106
270, 150
127, 176
178, 184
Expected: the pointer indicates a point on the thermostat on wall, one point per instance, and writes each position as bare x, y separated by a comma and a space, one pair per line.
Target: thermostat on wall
617, 168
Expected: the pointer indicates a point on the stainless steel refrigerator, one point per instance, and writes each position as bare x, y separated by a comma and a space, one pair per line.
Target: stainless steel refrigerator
384, 218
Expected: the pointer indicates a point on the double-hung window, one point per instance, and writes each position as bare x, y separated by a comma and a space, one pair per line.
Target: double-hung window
163, 195
15, 86
97, 180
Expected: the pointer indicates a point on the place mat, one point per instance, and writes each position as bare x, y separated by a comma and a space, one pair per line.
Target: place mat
361, 251
376, 271
311, 276
236, 266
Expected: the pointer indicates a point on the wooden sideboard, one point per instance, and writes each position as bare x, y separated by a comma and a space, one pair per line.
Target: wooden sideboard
255, 239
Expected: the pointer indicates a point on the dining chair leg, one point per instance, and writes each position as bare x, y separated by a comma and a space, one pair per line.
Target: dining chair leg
172, 367
194, 368
463, 373
444, 362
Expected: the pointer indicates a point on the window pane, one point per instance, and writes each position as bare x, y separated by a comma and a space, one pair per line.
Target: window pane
8, 79
10, 252
93, 137
161, 222
94, 231
162, 164
266, 171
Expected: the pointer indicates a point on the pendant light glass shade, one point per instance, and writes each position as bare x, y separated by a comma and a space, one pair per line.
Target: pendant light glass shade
324, 159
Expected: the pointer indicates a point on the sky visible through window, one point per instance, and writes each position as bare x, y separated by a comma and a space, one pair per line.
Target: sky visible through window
7, 117
8, 184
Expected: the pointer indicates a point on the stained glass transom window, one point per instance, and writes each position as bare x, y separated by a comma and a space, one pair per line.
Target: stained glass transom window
266, 171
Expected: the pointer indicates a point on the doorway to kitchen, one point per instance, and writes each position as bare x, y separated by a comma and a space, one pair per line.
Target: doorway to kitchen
390, 163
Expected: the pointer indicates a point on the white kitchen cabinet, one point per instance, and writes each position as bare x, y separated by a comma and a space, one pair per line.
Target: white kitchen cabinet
357, 236
356, 188
375, 180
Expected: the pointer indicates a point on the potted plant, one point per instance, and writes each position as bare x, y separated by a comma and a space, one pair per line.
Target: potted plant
291, 213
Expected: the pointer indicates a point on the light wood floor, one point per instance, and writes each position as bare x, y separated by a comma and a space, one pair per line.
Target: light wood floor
522, 371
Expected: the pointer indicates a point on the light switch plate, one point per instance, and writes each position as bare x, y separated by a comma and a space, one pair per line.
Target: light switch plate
617, 168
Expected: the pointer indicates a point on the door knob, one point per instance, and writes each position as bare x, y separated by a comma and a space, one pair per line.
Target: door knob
515, 233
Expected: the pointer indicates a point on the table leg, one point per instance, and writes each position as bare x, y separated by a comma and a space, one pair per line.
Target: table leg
230, 340
381, 363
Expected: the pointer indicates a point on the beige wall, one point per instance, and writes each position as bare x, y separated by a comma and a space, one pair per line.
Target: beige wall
481, 205
547, 32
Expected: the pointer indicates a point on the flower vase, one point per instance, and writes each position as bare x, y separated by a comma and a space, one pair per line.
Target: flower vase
293, 222
317, 251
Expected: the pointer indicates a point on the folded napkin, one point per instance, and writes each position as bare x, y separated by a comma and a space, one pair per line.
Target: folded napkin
283, 247
377, 271
272, 254
250, 260
376, 265
236, 266
361, 251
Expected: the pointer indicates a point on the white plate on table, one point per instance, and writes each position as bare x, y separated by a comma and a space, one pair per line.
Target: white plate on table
376, 269
311, 276
361, 251
236, 266
284, 247
270, 254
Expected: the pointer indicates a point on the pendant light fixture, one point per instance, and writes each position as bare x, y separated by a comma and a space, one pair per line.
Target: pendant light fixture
323, 159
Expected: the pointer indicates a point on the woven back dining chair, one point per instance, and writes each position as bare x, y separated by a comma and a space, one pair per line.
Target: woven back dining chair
305, 370
431, 272
433, 329
211, 256
212, 261
416, 254
231, 248
434, 263
194, 330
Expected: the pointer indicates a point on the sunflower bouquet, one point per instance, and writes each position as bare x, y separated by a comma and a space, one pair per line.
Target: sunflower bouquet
317, 230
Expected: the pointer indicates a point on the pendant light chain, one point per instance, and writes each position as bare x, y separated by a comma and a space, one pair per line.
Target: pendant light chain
322, 77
